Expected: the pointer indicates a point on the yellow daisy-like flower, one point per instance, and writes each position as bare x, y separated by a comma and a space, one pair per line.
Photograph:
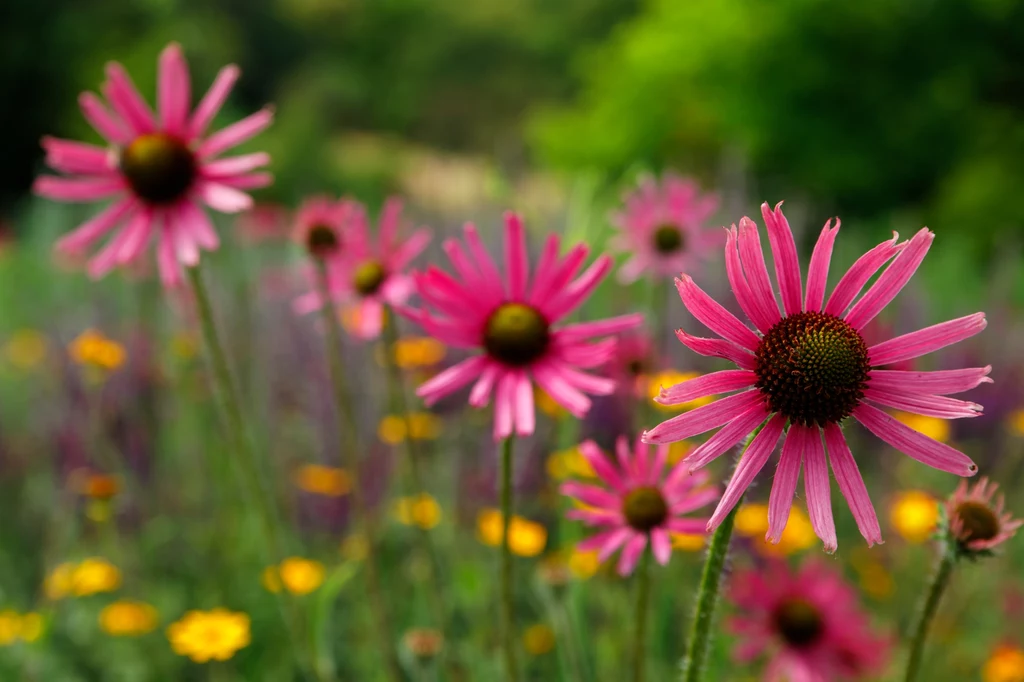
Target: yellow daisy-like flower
583, 564
299, 576
209, 635
1016, 422
16, 627
933, 427
414, 352
914, 514
393, 429
128, 618
569, 463
58, 584
92, 349
26, 349
546, 404
752, 522
1006, 664
95, 575
31, 627
671, 377
323, 480
421, 510
539, 640
525, 538
688, 542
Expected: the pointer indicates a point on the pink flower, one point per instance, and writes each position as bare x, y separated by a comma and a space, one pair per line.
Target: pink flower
635, 358
361, 272
158, 169
320, 224
512, 322
808, 623
638, 504
663, 227
977, 522
810, 368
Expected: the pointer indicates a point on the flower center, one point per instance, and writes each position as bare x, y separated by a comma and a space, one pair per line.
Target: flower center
368, 278
668, 239
160, 168
978, 521
812, 368
644, 508
798, 622
516, 334
322, 241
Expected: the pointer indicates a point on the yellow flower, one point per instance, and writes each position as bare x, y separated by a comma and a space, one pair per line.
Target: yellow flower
671, 377
583, 564
59, 583
300, 576
1017, 422
14, 627
1006, 664
752, 522
421, 510
914, 514
206, 635
185, 345
569, 463
128, 618
323, 480
688, 542
100, 486
546, 404
538, 639
26, 349
92, 349
354, 547
393, 429
933, 427
678, 450
95, 575
414, 352
525, 537
31, 627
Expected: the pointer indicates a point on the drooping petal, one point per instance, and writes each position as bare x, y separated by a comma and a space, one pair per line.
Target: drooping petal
817, 273
213, 100
787, 265
705, 385
504, 406
222, 198
924, 341
922, 403
941, 382
78, 157
590, 495
703, 418
913, 443
452, 379
78, 189
605, 542
661, 545
124, 241
851, 484
481, 393
561, 391
891, 281
751, 463
525, 417
716, 318
196, 221
88, 232
780, 501
717, 348
631, 554
818, 490
858, 275
728, 437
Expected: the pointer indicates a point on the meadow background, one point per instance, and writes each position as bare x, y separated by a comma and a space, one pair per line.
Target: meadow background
114, 484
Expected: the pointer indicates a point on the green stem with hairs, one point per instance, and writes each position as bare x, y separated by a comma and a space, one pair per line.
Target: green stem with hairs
940, 580
350, 458
643, 598
245, 458
507, 594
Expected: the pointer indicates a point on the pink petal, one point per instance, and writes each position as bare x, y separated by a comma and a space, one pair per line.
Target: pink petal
617, 539
605, 327
691, 500
818, 490
631, 554
601, 465
78, 189
751, 463
78, 157
718, 348
851, 484
409, 249
96, 227
472, 280
174, 95
605, 542
236, 133
137, 234
525, 417
913, 443
515, 255
738, 281
170, 269
107, 259
490, 279
481, 393
733, 432
787, 265
591, 495
452, 379
703, 418
661, 545
102, 120
561, 391
891, 281
370, 319
597, 517
689, 526
705, 385
714, 316
235, 165
858, 275
504, 406
817, 274
546, 265
756, 271
250, 181
570, 298
185, 247
780, 501
942, 382
587, 383
213, 100
928, 405
197, 222
924, 341
126, 100
559, 276
390, 219
222, 198
657, 467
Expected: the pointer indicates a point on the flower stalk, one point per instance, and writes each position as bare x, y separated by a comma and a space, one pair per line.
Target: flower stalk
939, 582
643, 598
507, 593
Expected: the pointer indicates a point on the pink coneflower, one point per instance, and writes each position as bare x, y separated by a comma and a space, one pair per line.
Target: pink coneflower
977, 520
158, 169
663, 226
638, 504
808, 623
512, 322
320, 224
634, 360
810, 368
365, 274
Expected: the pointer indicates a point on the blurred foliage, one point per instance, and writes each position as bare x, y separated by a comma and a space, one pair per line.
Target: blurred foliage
868, 107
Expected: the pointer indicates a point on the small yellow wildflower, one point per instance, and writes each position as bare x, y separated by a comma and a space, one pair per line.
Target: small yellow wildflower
752, 522
678, 450
525, 538
671, 377
95, 575
539, 639
15, 626
92, 349
414, 352
421, 510
355, 547
688, 542
1006, 664
546, 404
300, 576
31, 626
323, 480
914, 514
393, 429
58, 584
1016, 422
569, 463
128, 618
206, 635
933, 427
26, 349
583, 564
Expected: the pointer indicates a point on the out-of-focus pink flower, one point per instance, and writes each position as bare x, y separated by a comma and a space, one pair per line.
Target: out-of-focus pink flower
977, 519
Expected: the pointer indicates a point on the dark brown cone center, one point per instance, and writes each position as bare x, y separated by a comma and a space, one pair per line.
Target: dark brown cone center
668, 239
159, 168
368, 278
977, 520
645, 508
516, 334
798, 622
322, 241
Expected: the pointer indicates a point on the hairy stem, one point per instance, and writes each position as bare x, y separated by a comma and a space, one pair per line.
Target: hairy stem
940, 580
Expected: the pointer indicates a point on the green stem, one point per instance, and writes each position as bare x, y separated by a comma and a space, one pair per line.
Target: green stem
507, 595
399, 399
643, 596
244, 456
350, 458
940, 580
